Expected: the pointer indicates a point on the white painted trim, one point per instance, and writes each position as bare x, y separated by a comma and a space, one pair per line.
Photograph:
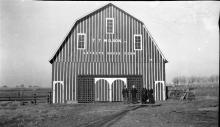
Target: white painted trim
110, 81
164, 90
85, 40
62, 84
113, 24
75, 79
136, 35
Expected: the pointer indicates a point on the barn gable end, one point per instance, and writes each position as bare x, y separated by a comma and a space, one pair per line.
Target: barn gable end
66, 54
96, 60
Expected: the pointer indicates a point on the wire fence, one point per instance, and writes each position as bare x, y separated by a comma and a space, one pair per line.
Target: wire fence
26, 95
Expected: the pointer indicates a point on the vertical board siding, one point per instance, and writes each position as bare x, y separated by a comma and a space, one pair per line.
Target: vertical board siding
124, 29
102, 90
107, 58
117, 87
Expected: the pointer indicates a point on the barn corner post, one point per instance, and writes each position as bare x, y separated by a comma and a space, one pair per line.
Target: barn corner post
104, 51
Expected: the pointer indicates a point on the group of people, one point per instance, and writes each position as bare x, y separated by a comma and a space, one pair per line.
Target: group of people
147, 96
130, 95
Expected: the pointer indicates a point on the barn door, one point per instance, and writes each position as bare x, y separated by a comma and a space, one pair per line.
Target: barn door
159, 91
85, 89
58, 92
137, 81
117, 87
102, 90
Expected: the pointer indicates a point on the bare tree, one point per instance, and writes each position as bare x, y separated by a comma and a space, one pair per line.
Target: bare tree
175, 80
195, 79
5, 86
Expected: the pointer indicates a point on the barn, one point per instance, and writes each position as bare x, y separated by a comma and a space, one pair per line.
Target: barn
104, 51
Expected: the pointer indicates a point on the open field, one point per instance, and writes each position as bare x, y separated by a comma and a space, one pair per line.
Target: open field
172, 113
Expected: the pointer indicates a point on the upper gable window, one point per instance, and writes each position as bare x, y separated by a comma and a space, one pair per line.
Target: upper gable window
137, 42
109, 25
81, 40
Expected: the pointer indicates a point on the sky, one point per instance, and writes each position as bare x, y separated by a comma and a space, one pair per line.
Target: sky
31, 31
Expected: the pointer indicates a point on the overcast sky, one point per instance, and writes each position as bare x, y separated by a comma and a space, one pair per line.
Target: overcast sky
31, 31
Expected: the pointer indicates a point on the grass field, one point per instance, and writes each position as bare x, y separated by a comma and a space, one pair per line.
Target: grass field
172, 113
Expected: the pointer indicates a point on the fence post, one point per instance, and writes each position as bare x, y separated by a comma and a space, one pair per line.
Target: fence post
35, 99
22, 98
50, 98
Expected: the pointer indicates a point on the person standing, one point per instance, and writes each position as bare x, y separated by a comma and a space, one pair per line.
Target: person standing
143, 96
151, 97
129, 96
133, 94
147, 95
125, 94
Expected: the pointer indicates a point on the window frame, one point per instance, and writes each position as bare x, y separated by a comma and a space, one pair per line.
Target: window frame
84, 47
106, 26
138, 35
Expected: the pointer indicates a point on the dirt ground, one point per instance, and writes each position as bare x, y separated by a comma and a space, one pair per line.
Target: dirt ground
201, 112
65, 115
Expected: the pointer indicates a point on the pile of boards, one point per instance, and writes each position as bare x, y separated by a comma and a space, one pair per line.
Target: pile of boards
181, 93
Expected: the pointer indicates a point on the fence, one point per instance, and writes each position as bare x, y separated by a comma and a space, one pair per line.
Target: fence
25, 95
176, 92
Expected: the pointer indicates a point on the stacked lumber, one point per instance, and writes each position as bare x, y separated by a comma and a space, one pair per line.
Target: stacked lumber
180, 93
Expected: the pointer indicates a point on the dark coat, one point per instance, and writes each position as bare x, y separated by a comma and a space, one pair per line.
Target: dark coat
125, 92
133, 92
143, 95
151, 96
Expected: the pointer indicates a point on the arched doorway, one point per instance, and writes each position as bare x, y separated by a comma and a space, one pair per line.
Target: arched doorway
104, 87
117, 87
159, 91
58, 92
101, 90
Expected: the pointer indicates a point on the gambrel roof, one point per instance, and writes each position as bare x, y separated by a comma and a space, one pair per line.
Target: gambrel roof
92, 13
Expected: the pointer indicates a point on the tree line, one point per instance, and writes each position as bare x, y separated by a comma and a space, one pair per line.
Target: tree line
181, 80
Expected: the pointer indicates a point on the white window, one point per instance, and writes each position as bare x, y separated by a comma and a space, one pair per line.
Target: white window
137, 42
81, 40
109, 25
